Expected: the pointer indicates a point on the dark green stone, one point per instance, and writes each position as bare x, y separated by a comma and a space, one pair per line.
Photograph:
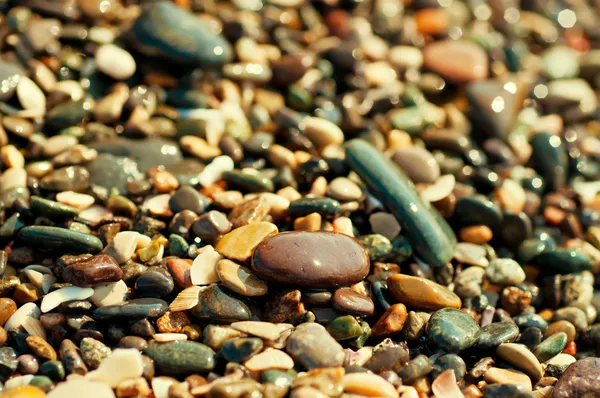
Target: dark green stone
360, 341
530, 249
178, 246
60, 239
53, 370
344, 328
216, 305
113, 171
530, 321
494, 334
550, 159
278, 377
531, 337
564, 261
451, 330
377, 246
43, 382
51, 209
507, 391
551, 347
449, 361
429, 234
67, 114
248, 182
401, 250
327, 207
477, 210
238, 350
181, 358
187, 98
176, 34
414, 369
136, 308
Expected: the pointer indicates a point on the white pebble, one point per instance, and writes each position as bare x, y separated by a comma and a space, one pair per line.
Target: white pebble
109, 293
214, 170
17, 381
439, 189
160, 386
18, 317
77, 200
166, 337
270, 359
203, 270
31, 96
121, 364
69, 293
115, 62
81, 388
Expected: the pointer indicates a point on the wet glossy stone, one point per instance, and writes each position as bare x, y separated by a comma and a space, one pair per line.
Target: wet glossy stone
427, 231
449, 362
60, 239
421, 293
238, 350
9, 362
136, 308
496, 333
51, 209
377, 246
550, 159
181, 358
456, 60
477, 211
187, 198
251, 182
241, 243
451, 330
211, 226
344, 328
155, 282
92, 271
113, 171
579, 379
506, 390
550, 347
313, 347
418, 164
564, 261
348, 301
240, 279
10, 75
334, 259
218, 306
161, 25
418, 367
326, 207
520, 357
505, 271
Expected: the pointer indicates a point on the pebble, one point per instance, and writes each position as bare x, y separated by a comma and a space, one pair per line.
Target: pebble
507, 376
203, 271
240, 279
181, 358
115, 62
93, 271
334, 260
344, 189
391, 321
348, 301
384, 224
70, 293
456, 60
80, 387
187, 198
251, 235
451, 330
421, 293
124, 245
60, 239
313, 347
214, 303
496, 333
269, 359
136, 308
370, 385
429, 234
579, 379
505, 271
418, 164
550, 347
93, 352
30, 96
520, 357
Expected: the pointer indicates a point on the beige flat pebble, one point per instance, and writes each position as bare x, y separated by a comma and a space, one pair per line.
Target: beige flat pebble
124, 245
199, 148
31, 96
239, 279
166, 337
203, 271
81, 388
507, 376
264, 330
115, 62
520, 357
511, 196
12, 157
77, 200
120, 365
186, 299
270, 359
69, 293
322, 132
368, 384
342, 188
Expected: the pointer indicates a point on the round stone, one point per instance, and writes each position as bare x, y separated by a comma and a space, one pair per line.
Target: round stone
344, 189
459, 61
494, 334
580, 379
505, 271
348, 301
451, 330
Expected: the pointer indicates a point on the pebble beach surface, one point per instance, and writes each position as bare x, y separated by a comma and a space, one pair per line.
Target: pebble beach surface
299, 198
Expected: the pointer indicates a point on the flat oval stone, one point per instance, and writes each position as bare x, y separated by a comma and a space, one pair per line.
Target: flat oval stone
174, 33
456, 60
136, 308
50, 208
216, 305
494, 334
551, 347
187, 198
313, 347
564, 261
520, 357
348, 301
418, 164
421, 293
181, 358
451, 330
60, 239
240, 279
430, 235
154, 282
92, 271
315, 259
579, 380
326, 207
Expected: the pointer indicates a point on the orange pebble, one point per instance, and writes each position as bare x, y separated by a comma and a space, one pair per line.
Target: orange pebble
546, 314
432, 21
554, 215
571, 348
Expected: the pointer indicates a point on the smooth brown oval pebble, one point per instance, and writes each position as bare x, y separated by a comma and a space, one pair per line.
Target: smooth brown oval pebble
97, 269
421, 293
315, 259
348, 301
456, 60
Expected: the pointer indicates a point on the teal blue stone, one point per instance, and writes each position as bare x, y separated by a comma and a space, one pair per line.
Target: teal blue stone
281, 378
51, 209
181, 358
564, 261
410, 119
429, 234
136, 308
187, 98
238, 350
377, 246
477, 210
550, 347
524, 321
327, 207
54, 370
530, 249
249, 182
60, 239
449, 361
451, 330
494, 334
178, 246
169, 31
550, 159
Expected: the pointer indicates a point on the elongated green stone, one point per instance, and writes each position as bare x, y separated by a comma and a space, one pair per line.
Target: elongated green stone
60, 239
429, 234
